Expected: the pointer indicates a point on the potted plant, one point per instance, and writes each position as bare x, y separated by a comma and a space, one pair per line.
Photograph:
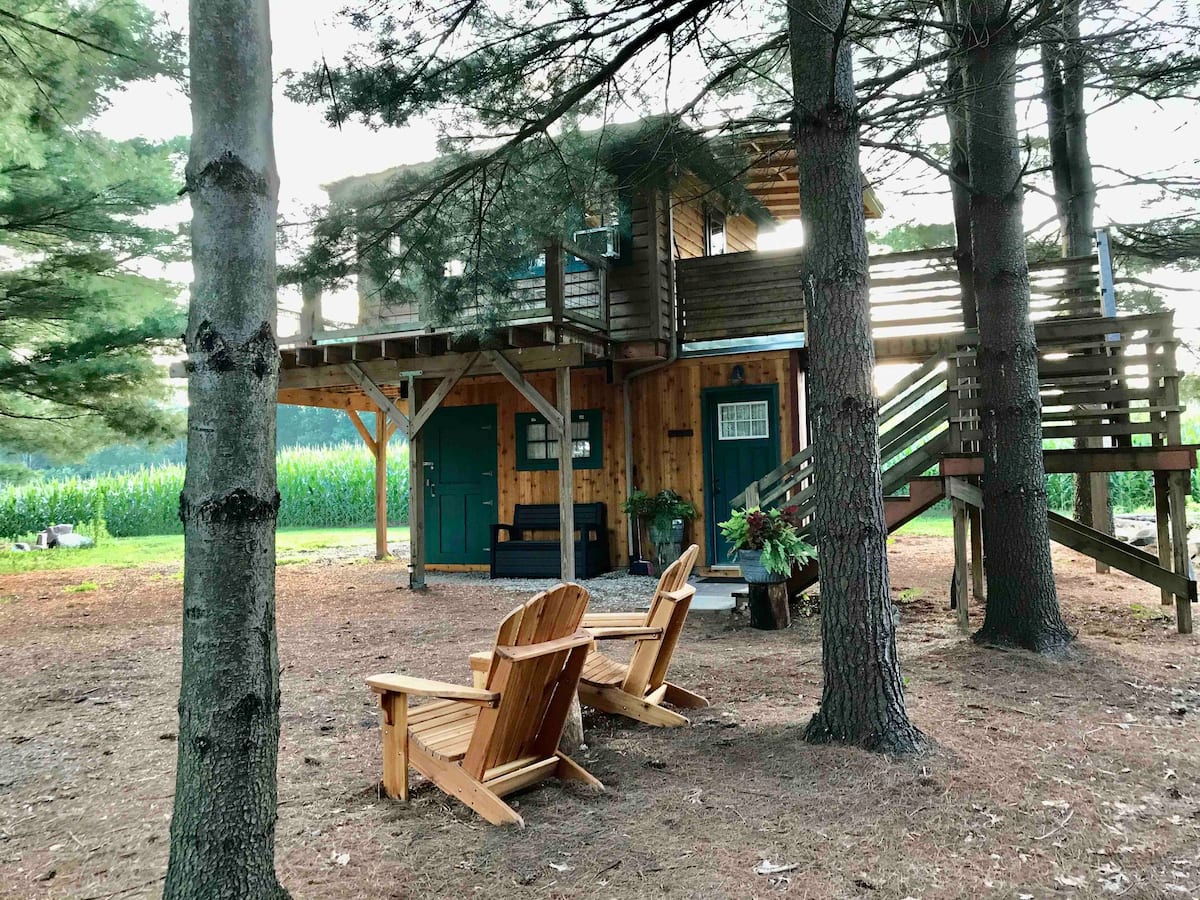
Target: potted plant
664, 514
766, 543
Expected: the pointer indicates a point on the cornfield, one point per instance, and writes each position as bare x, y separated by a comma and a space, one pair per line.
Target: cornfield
319, 487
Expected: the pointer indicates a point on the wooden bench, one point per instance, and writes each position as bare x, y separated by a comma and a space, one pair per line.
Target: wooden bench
523, 556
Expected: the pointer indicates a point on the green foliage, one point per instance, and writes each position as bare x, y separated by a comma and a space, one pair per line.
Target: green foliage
80, 322
914, 236
16, 473
296, 426
774, 532
328, 487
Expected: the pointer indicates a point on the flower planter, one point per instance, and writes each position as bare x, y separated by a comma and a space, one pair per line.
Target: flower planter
668, 542
754, 571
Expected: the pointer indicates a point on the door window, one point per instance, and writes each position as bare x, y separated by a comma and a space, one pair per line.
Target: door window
743, 421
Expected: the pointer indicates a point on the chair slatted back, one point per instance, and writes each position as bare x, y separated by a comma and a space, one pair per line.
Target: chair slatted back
651, 659
536, 689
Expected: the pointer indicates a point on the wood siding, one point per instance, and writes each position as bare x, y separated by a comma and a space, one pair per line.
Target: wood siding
670, 400
688, 201
662, 401
629, 281
588, 391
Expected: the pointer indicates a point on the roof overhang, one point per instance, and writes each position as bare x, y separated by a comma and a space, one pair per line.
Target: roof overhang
772, 177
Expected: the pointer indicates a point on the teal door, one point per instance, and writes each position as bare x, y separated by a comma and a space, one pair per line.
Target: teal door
460, 484
741, 445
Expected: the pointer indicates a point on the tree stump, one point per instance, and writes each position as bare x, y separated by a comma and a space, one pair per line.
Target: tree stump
769, 606
572, 736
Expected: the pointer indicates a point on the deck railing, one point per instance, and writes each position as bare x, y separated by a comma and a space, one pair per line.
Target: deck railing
569, 294
1106, 379
912, 294
1099, 378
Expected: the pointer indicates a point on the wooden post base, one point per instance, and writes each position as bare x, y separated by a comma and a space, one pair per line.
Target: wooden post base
769, 606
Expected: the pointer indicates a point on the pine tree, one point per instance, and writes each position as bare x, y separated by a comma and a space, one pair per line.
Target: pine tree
80, 320
223, 827
862, 701
1022, 600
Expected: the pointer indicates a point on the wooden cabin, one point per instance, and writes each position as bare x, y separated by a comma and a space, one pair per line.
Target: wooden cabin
675, 358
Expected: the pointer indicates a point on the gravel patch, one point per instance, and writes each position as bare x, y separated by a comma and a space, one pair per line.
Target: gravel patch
616, 591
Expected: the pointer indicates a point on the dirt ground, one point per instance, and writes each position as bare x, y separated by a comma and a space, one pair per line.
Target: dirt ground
1070, 778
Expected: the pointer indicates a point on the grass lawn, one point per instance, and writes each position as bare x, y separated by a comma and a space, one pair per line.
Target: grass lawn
291, 545
934, 523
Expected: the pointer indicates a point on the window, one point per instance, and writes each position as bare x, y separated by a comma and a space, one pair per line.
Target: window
714, 231
537, 445
743, 421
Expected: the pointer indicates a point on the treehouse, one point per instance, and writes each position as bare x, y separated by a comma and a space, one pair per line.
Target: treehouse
657, 347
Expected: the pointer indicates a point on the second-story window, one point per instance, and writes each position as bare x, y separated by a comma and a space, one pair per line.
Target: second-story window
714, 231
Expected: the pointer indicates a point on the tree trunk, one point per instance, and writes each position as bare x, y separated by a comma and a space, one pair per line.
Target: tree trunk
960, 175
1022, 603
862, 698
1063, 79
223, 828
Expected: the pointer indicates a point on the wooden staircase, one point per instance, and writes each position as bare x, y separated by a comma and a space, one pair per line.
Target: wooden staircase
913, 435
1113, 379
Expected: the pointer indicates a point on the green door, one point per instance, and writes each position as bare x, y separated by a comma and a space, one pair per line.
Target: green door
741, 445
460, 484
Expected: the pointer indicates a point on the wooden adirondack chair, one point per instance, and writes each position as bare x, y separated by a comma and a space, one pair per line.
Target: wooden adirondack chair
481, 743
637, 690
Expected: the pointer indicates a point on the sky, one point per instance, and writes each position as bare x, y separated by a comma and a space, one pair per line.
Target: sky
1136, 137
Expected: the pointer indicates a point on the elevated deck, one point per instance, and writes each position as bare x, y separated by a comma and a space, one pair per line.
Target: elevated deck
916, 298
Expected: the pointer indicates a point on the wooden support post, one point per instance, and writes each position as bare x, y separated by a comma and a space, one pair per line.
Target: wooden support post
959, 509
381, 505
1162, 520
769, 606
395, 744
555, 286
976, 517
310, 310
566, 475
1178, 489
362, 429
1100, 503
378, 397
752, 495
416, 491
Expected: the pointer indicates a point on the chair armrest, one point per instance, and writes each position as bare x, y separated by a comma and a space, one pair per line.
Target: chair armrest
632, 632
614, 620
393, 683
578, 639
688, 590
513, 532
480, 661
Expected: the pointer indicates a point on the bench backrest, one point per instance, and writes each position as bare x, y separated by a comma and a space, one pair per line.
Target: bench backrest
651, 659
544, 516
539, 656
